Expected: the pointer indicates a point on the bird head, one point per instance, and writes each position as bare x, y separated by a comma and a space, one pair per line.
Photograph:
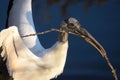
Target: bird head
71, 25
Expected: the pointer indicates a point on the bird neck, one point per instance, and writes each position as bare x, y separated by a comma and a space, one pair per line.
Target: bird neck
63, 36
20, 15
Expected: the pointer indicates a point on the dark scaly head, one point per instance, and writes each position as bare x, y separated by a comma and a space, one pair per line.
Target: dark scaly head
73, 26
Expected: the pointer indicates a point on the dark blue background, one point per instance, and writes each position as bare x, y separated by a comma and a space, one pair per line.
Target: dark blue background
83, 61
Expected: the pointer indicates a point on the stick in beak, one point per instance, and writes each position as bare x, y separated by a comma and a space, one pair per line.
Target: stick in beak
73, 26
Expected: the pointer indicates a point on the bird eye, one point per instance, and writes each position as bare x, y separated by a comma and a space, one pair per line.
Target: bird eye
70, 25
66, 21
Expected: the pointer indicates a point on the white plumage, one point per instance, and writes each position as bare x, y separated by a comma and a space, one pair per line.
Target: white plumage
26, 58
23, 64
21, 16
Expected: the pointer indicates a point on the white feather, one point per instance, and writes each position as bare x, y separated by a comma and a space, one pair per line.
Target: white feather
21, 16
24, 65
26, 57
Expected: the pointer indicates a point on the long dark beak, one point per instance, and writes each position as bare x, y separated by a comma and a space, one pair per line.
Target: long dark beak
85, 35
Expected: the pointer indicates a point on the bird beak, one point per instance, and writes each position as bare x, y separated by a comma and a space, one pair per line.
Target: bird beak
85, 35
71, 25
74, 27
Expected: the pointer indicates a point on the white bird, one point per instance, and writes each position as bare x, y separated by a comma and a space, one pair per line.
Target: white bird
26, 59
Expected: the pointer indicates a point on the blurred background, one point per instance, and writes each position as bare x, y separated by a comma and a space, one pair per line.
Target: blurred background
100, 17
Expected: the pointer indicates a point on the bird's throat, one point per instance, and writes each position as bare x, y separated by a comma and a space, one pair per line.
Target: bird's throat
63, 37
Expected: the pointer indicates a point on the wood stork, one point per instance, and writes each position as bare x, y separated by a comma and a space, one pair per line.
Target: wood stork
26, 58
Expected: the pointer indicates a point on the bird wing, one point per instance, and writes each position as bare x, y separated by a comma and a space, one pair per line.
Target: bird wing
13, 49
22, 63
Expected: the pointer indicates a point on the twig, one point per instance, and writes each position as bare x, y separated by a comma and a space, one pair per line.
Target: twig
45, 32
111, 67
